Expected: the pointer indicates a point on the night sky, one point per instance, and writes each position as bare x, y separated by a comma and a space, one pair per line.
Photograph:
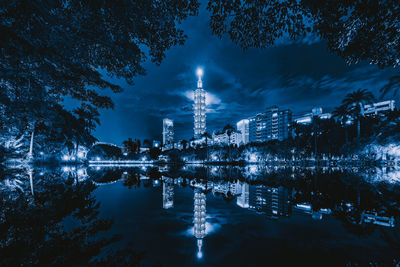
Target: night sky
296, 75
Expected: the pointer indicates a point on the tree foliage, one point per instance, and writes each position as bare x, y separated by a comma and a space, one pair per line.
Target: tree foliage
355, 30
51, 50
63, 46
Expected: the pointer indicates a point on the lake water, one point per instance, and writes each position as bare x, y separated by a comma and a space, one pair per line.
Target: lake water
205, 216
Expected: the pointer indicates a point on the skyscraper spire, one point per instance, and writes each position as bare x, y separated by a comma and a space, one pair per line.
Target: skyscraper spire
199, 73
199, 107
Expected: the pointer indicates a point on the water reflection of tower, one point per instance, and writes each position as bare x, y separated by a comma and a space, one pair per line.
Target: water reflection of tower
168, 193
199, 219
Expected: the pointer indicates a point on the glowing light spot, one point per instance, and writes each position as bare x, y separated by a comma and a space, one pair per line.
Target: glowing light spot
199, 72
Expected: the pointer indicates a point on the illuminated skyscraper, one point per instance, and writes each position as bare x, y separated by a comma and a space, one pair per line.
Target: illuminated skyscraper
168, 132
243, 127
199, 107
270, 125
199, 219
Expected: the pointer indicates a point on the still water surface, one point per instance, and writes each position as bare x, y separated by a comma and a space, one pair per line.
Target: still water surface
208, 216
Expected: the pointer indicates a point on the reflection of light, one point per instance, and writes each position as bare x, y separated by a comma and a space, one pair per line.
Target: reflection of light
156, 181
65, 157
80, 155
97, 168
41, 153
72, 158
253, 169
98, 158
80, 172
41, 173
199, 255
125, 172
253, 158
144, 158
65, 169
125, 154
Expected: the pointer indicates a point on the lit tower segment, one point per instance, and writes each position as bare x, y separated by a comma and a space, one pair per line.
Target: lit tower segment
199, 219
199, 106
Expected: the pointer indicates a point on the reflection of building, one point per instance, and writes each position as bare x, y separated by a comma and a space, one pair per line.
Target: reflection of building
168, 193
225, 187
168, 133
257, 200
243, 127
307, 118
306, 208
272, 201
199, 219
374, 218
199, 107
224, 139
380, 107
243, 200
271, 125
277, 203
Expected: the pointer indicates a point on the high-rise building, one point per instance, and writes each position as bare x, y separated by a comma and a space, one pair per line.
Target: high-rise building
242, 126
199, 107
168, 132
271, 125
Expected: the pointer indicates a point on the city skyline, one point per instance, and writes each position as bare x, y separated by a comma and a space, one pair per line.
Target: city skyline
240, 84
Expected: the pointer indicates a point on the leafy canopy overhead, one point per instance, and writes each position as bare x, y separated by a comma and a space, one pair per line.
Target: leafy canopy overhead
63, 45
355, 30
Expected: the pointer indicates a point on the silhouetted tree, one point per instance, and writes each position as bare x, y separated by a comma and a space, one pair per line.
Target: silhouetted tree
342, 114
207, 136
184, 144
355, 102
228, 129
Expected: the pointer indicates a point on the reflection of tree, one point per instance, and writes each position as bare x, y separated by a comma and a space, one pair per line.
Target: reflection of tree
131, 179
392, 238
33, 232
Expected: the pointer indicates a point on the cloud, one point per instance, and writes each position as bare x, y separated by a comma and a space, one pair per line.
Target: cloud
239, 84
